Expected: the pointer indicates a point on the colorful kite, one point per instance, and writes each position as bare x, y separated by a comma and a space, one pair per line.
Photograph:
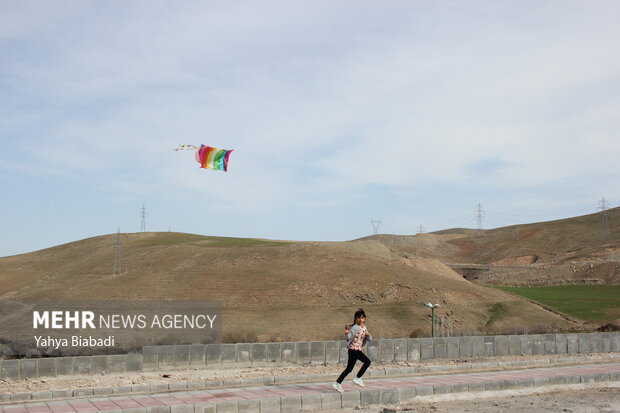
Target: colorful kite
209, 157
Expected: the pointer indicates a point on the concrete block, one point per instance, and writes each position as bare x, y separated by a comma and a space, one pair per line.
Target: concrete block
492, 386
587, 378
150, 359
561, 344
103, 391
46, 367
227, 407
615, 342
400, 349
386, 350
317, 352
489, 346
426, 348
289, 354
502, 346
373, 350
465, 347
406, 393
526, 383
177, 386
198, 355
538, 344
133, 362
584, 342
83, 365
65, 366
229, 353
331, 400
572, 379
439, 348
413, 349
459, 387
477, 346
181, 355
274, 352
601, 377
248, 406
606, 341
28, 368
477, 386
290, 403
369, 397
158, 388
302, 349
332, 352
86, 391
442, 389
388, 396
100, 364
344, 353
526, 344
61, 394
165, 356
310, 402
117, 363
199, 408
244, 352
259, 353
20, 397
550, 345
452, 347
596, 343
541, 381
572, 344
270, 405
557, 380
122, 389
351, 399
41, 395
214, 354
424, 390
514, 345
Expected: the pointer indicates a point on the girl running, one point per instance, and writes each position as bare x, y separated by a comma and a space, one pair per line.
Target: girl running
356, 335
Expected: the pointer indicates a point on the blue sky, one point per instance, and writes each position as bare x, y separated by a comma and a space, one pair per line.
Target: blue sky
339, 112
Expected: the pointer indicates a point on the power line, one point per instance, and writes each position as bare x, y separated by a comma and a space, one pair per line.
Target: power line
375, 225
143, 219
479, 213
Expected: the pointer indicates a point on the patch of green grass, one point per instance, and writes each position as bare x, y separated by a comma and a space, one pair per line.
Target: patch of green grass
588, 302
496, 313
170, 238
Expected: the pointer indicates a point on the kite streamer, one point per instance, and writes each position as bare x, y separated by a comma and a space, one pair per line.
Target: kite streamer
209, 157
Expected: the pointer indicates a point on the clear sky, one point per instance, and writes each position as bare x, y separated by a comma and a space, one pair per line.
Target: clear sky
410, 112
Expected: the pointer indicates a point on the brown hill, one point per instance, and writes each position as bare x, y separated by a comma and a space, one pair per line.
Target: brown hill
273, 290
574, 250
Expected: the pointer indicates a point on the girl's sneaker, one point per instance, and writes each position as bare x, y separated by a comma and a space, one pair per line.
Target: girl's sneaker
359, 381
337, 386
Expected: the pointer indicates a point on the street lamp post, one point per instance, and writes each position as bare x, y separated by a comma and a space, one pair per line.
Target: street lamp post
432, 307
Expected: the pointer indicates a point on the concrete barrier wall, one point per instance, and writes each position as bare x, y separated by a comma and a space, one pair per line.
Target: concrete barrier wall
314, 352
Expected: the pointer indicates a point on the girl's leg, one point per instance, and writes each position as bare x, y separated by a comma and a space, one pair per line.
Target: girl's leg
362, 357
350, 365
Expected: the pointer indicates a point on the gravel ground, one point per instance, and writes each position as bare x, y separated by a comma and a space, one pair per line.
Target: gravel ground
575, 398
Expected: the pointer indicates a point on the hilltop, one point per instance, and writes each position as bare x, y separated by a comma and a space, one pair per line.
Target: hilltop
286, 290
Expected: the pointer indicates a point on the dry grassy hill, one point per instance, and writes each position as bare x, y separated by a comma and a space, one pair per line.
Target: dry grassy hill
575, 250
273, 290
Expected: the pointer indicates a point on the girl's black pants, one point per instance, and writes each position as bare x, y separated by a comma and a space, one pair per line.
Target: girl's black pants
355, 355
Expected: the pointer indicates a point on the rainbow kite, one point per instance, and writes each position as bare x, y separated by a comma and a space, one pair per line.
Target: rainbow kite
209, 157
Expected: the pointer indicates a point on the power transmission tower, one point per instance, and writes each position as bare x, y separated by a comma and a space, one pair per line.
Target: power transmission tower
479, 213
421, 230
117, 253
143, 217
375, 225
603, 206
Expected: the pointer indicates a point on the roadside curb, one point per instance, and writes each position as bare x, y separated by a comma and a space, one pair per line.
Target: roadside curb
464, 366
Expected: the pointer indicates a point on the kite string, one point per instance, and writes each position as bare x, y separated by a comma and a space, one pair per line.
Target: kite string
183, 147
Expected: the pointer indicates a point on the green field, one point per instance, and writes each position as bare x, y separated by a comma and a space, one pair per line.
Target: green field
595, 303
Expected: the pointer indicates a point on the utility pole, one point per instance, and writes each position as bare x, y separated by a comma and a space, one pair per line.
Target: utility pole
143, 219
117, 253
603, 206
375, 225
479, 213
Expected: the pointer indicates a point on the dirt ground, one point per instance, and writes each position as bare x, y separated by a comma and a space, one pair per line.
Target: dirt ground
576, 398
